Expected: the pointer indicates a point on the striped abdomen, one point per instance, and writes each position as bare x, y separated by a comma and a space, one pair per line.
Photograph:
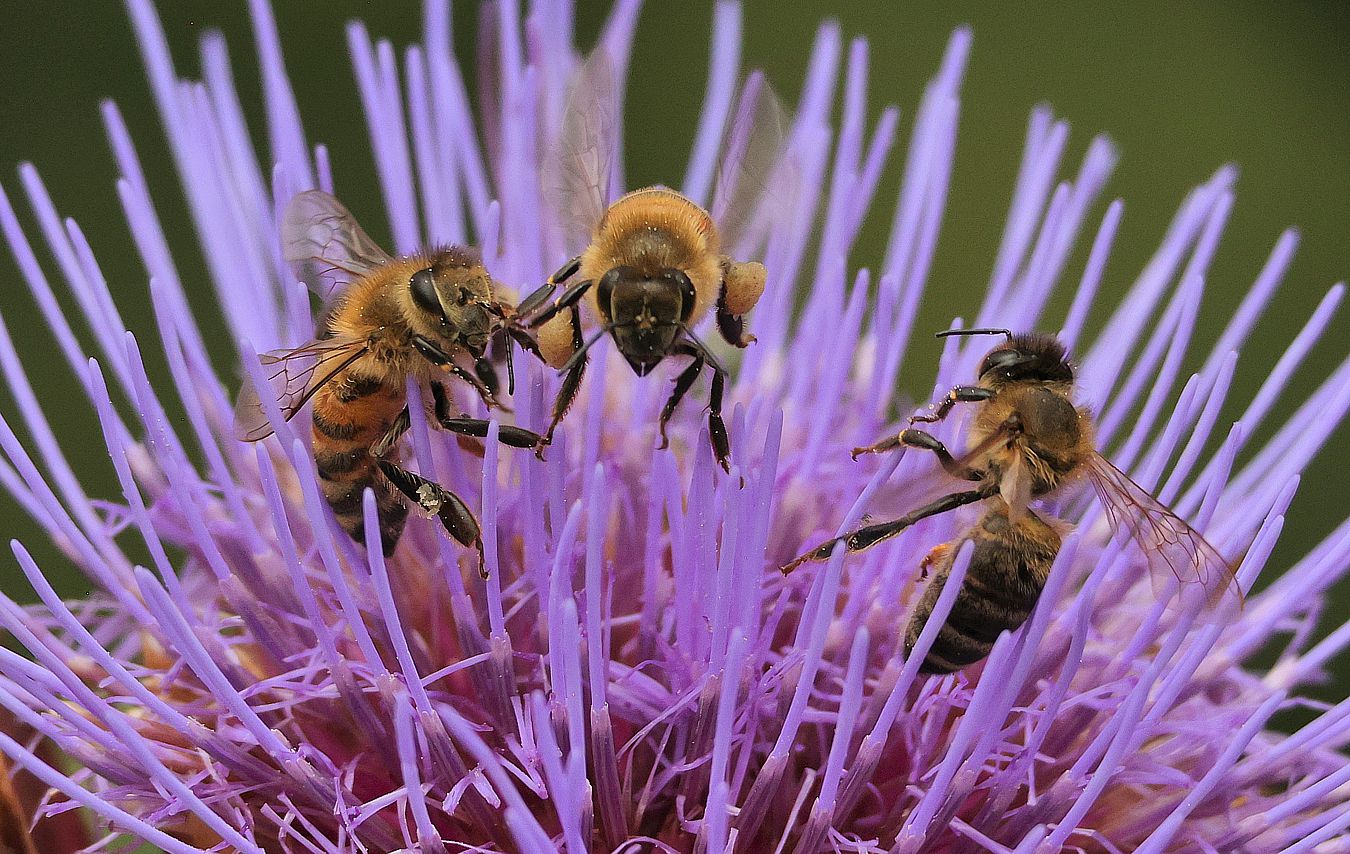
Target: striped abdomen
351, 414
1007, 571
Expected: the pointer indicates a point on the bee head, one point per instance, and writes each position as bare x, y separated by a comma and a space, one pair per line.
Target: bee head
645, 312
1027, 357
453, 296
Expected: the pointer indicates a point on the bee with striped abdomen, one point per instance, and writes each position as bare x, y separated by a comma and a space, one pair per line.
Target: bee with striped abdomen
1028, 441
423, 315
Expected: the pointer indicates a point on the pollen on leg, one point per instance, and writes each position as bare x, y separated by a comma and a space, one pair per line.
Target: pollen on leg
555, 340
429, 499
743, 284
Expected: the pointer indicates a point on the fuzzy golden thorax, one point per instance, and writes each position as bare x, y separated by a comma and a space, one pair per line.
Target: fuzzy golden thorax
442, 296
652, 230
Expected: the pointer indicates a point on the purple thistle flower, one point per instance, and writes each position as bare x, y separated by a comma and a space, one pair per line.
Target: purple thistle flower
635, 674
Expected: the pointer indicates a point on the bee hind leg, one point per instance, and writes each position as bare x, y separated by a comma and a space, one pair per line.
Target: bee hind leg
445, 505
869, 535
742, 286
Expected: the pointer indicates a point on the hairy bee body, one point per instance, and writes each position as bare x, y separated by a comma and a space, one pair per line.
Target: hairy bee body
1027, 440
647, 231
357, 408
653, 265
1013, 549
394, 321
349, 417
1008, 568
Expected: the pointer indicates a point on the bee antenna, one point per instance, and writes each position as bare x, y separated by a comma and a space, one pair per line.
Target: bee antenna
947, 333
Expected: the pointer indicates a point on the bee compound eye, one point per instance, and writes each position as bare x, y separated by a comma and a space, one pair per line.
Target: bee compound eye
423, 288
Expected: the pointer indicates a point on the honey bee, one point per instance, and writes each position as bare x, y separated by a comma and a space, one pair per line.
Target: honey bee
655, 264
417, 316
1027, 441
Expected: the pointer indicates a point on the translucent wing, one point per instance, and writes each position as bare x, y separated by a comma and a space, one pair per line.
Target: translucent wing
1172, 547
751, 179
293, 376
322, 236
583, 161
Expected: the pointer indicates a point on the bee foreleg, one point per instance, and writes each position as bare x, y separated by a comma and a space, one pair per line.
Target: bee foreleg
541, 294
682, 385
526, 343
870, 535
568, 299
445, 505
507, 434
489, 400
717, 428
960, 394
433, 354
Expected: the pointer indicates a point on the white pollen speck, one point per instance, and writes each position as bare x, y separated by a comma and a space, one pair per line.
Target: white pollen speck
427, 498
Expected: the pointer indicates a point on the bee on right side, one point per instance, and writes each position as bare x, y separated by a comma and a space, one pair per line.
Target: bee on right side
1027, 441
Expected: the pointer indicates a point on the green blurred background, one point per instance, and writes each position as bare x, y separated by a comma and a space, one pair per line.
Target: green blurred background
1182, 88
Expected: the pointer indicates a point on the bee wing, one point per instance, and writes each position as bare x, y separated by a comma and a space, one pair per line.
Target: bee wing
583, 161
293, 376
751, 179
1172, 547
320, 235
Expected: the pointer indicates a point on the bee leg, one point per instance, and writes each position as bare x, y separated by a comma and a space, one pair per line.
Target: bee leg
717, 428
526, 343
870, 535
954, 467
570, 385
568, 299
507, 434
960, 394
436, 356
682, 385
484, 392
732, 326
742, 286
540, 296
890, 443
445, 505
433, 354
487, 376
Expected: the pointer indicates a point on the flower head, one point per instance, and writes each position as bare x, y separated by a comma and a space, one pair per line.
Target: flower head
635, 674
